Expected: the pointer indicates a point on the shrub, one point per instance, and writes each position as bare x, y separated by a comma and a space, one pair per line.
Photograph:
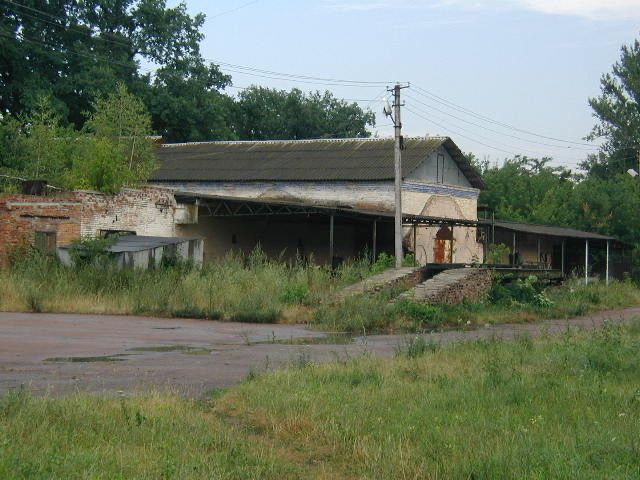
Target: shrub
413, 347
528, 291
295, 293
424, 315
92, 251
382, 263
496, 253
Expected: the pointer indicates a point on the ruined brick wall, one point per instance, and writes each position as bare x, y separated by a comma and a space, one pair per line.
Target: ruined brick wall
147, 211
472, 288
70, 215
21, 216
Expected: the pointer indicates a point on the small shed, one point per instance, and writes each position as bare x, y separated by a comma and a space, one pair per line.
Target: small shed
134, 251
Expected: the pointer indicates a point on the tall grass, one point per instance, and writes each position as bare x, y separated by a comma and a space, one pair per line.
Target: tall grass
254, 288
244, 288
564, 407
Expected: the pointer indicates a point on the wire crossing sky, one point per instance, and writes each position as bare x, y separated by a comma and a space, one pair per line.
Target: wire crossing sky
491, 70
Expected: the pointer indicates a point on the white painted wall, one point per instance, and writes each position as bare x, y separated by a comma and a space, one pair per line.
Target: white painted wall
440, 168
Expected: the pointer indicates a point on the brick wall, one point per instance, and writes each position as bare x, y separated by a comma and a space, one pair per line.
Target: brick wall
472, 288
70, 215
21, 216
148, 211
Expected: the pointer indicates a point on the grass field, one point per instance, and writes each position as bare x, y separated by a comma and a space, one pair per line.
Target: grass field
565, 407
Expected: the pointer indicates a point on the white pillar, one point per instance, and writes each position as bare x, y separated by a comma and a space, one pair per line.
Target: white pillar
607, 267
586, 262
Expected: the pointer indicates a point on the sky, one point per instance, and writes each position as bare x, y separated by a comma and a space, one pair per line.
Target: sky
488, 73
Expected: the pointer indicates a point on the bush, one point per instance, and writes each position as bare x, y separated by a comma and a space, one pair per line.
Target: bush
422, 315
358, 314
295, 293
528, 292
415, 347
92, 251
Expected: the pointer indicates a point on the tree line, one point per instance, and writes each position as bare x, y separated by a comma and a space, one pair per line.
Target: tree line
600, 196
78, 107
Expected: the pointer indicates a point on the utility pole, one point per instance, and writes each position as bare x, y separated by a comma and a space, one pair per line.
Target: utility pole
397, 150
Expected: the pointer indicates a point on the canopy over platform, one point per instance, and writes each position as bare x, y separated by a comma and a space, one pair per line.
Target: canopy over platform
547, 230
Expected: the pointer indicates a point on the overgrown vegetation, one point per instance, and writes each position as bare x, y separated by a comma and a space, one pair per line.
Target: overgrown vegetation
565, 407
249, 288
255, 288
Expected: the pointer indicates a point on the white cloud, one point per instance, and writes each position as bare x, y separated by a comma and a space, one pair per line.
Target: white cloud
592, 9
595, 9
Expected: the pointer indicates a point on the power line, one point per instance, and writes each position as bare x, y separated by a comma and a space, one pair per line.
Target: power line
460, 134
436, 98
494, 142
232, 10
294, 76
74, 52
498, 132
296, 80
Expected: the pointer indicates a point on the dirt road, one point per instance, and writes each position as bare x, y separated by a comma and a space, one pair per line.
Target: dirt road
61, 353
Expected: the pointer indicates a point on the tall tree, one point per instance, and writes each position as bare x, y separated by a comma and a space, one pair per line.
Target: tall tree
618, 112
265, 113
76, 51
186, 102
114, 149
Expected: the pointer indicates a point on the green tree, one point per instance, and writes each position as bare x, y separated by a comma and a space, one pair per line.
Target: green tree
115, 148
37, 146
618, 112
77, 51
186, 103
265, 113
528, 190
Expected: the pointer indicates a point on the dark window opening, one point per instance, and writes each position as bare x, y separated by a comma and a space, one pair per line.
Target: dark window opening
119, 233
46, 241
234, 239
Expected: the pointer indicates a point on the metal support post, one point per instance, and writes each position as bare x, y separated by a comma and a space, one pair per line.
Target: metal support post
331, 240
607, 266
375, 239
415, 246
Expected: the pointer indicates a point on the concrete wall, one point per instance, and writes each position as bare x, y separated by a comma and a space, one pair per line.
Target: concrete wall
440, 168
149, 258
448, 201
285, 237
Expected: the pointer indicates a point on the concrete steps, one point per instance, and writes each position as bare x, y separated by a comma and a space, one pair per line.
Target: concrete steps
405, 277
451, 286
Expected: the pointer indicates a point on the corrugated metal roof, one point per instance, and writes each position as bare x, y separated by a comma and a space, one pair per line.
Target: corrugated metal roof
549, 230
300, 160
